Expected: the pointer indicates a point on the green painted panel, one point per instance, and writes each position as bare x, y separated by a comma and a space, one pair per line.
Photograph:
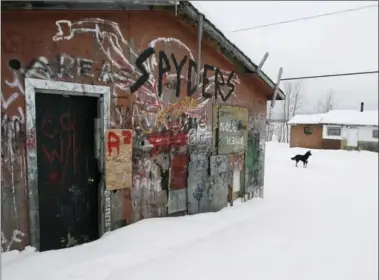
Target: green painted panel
249, 156
252, 155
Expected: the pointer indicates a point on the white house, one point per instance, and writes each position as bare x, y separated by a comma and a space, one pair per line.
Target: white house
349, 128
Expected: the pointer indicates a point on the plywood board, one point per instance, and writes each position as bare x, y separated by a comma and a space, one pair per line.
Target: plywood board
118, 158
219, 164
232, 129
178, 173
177, 201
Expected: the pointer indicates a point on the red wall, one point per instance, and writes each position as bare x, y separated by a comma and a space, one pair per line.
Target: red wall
35, 42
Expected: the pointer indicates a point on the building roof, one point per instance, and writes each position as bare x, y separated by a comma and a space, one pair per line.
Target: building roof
185, 7
306, 119
211, 29
339, 117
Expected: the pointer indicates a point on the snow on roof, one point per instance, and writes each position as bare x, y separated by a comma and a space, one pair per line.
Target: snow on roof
306, 119
342, 117
351, 117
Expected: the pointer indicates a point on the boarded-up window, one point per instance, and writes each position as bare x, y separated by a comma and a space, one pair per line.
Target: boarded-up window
308, 130
334, 131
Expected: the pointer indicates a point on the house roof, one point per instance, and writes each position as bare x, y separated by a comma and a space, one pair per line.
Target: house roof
306, 119
185, 7
339, 117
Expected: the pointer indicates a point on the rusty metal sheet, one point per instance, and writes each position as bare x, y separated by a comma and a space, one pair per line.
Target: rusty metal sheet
198, 183
177, 201
178, 175
206, 193
118, 159
199, 162
218, 191
236, 161
122, 208
232, 129
148, 204
219, 164
254, 171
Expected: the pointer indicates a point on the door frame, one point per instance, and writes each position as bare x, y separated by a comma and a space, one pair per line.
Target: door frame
63, 88
350, 129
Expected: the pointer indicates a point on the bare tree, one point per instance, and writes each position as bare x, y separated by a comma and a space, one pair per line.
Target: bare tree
294, 101
326, 102
286, 109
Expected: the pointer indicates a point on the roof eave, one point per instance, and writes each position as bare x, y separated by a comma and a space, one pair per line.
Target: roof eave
303, 123
185, 6
350, 124
211, 29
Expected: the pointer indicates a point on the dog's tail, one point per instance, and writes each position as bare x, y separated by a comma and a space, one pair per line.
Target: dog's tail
293, 158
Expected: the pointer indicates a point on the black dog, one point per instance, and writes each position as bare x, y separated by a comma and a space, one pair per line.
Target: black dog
303, 158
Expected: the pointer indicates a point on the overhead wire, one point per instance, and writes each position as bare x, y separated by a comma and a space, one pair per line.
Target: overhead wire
312, 17
306, 18
330, 75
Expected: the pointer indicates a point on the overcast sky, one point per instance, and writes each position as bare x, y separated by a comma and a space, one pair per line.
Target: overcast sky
340, 43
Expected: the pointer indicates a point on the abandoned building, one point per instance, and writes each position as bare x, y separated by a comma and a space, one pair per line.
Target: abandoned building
117, 112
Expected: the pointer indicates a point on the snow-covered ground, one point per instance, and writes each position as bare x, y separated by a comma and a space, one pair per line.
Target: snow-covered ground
314, 223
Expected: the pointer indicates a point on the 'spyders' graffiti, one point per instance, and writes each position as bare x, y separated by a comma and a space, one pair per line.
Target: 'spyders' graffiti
163, 83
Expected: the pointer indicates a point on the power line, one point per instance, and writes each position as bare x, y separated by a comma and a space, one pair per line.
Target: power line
331, 75
305, 18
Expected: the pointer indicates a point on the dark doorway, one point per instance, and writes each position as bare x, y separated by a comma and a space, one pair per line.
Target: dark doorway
68, 174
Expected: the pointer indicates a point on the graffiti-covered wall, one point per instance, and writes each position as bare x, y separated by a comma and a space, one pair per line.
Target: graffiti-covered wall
189, 145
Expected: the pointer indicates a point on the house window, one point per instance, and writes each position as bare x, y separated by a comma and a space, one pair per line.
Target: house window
307, 130
334, 131
375, 133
